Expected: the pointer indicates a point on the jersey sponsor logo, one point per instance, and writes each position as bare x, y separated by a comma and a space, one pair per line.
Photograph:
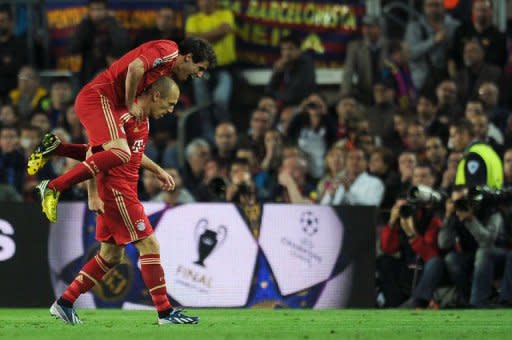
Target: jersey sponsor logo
473, 167
138, 145
158, 62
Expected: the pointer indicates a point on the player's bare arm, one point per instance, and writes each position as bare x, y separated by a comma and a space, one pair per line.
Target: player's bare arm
133, 77
165, 179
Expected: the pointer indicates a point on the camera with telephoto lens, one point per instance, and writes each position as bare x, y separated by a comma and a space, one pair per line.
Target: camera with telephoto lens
217, 189
483, 196
420, 195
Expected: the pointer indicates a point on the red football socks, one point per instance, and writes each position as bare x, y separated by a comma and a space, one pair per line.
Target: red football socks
99, 162
74, 151
92, 272
153, 276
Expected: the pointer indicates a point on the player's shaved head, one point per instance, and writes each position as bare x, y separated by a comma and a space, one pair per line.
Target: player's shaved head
164, 85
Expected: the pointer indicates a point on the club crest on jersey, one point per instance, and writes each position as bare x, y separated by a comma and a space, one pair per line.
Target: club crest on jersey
138, 145
158, 62
140, 225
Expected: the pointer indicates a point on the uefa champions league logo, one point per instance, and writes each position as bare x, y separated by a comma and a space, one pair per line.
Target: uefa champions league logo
309, 223
207, 239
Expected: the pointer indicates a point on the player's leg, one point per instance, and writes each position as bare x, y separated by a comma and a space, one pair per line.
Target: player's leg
107, 138
92, 272
154, 278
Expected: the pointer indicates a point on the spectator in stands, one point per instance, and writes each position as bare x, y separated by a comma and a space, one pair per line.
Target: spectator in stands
435, 152
381, 165
197, 153
61, 94
269, 104
507, 169
380, 115
460, 247
259, 124
346, 109
293, 186
293, 76
475, 71
482, 29
487, 131
30, 137
416, 138
12, 52
396, 71
273, 151
40, 120
161, 147
263, 179
449, 107
314, 131
29, 96
151, 186
285, 117
99, 39
8, 115
396, 139
489, 94
428, 40
451, 170
179, 195
165, 28
356, 183
461, 135
218, 27
72, 124
413, 237
241, 188
427, 111
12, 160
334, 169
407, 161
225, 144
482, 128
486, 224
364, 60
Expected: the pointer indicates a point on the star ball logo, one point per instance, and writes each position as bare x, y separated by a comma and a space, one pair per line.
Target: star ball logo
309, 223
207, 239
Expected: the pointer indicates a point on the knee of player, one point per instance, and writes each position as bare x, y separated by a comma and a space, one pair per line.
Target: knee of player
112, 257
149, 245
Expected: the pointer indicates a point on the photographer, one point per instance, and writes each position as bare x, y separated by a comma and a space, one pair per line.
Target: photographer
411, 237
460, 247
241, 188
478, 211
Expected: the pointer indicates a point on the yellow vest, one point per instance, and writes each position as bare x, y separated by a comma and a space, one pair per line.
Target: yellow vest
493, 165
201, 23
41, 92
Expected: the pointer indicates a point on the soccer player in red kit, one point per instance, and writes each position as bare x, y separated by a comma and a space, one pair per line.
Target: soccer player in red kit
100, 103
121, 218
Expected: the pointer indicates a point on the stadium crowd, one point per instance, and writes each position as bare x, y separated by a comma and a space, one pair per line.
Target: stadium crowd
415, 107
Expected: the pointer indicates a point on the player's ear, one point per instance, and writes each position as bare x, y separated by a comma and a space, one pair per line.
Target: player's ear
155, 95
188, 58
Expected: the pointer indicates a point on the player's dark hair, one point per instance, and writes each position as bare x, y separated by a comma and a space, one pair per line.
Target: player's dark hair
201, 50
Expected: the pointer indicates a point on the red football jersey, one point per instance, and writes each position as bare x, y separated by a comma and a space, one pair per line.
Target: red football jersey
127, 174
159, 57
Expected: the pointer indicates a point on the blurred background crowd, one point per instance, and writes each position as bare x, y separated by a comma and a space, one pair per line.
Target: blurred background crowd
411, 99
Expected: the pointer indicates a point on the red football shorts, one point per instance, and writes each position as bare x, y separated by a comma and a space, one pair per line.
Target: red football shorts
124, 220
99, 116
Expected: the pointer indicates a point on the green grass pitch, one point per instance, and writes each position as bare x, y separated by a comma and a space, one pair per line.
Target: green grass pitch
264, 324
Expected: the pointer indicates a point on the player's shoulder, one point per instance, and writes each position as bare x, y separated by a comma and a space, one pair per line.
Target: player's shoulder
163, 44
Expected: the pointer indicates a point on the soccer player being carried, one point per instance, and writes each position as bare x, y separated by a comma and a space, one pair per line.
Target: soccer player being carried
101, 102
121, 219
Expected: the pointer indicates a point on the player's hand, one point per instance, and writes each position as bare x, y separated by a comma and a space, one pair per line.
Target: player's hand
136, 111
96, 205
166, 180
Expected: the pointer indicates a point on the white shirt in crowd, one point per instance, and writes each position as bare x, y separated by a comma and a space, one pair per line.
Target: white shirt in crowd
366, 190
